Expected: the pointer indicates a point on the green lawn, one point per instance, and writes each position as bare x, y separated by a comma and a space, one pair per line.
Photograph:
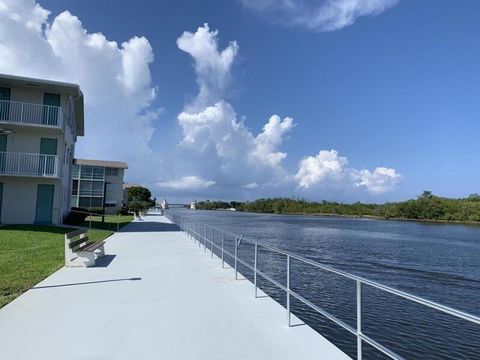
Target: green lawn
112, 222
29, 253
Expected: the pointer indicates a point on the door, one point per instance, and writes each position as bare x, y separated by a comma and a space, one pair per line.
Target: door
50, 112
44, 204
46, 164
4, 103
3, 149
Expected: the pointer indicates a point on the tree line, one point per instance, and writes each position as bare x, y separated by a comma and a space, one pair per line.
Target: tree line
427, 206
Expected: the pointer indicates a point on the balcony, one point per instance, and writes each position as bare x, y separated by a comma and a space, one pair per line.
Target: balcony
23, 113
25, 164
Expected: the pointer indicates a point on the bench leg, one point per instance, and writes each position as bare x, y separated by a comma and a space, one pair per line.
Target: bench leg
101, 250
85, 258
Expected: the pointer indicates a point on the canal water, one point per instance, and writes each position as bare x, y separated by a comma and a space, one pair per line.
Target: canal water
440, 262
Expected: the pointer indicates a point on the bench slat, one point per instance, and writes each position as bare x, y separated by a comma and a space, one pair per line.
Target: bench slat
82, 248
75, 243
75, 233
92, 247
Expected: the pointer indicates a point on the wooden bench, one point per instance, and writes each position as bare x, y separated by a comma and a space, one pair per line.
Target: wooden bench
80, 252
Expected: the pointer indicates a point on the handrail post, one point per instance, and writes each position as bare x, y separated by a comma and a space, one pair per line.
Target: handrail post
197, 235
359, 320
223, 240
205, 239
288, 291
190, 231
236, 249
211, 245
255, 269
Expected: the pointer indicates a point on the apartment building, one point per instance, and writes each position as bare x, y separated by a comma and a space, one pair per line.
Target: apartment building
98, 184
40, 121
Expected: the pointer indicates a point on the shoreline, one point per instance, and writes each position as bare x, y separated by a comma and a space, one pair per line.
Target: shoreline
373, 217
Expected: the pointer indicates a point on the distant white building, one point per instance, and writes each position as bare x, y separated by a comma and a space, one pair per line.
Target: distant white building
98, 184
164, 204
193, 205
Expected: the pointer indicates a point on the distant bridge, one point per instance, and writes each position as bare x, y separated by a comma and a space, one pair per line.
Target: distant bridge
169, 206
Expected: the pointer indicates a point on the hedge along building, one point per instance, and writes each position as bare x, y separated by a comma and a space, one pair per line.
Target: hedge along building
98, 184
40, 121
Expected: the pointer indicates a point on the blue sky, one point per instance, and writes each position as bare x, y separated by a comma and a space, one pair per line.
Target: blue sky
398, 90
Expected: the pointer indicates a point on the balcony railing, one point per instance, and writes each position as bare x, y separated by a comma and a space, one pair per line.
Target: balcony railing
25, 164
31, 114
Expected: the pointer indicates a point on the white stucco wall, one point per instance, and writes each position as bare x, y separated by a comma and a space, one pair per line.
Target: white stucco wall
19, 201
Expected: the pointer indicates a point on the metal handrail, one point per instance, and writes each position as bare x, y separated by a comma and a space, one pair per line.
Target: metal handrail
190, 228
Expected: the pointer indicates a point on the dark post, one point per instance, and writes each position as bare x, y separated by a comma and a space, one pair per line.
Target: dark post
103, 203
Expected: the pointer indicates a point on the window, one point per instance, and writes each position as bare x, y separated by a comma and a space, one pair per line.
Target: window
111, 171
75, 187
76, 171
4, 103
74, 202
92, 173
91, 188
112, 187
51, 110
97, 188
90, 202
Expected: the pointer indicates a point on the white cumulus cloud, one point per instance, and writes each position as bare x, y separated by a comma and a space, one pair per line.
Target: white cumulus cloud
326, 166
215, 142
252, 185
115, 78
269, 140
330, 170
378, 181
212, 66
322, 16
190, 183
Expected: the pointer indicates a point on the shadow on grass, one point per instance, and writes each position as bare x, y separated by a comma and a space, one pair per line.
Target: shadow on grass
104, 226
38, 228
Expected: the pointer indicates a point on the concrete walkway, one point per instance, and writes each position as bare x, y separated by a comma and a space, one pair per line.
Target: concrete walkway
157, 296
